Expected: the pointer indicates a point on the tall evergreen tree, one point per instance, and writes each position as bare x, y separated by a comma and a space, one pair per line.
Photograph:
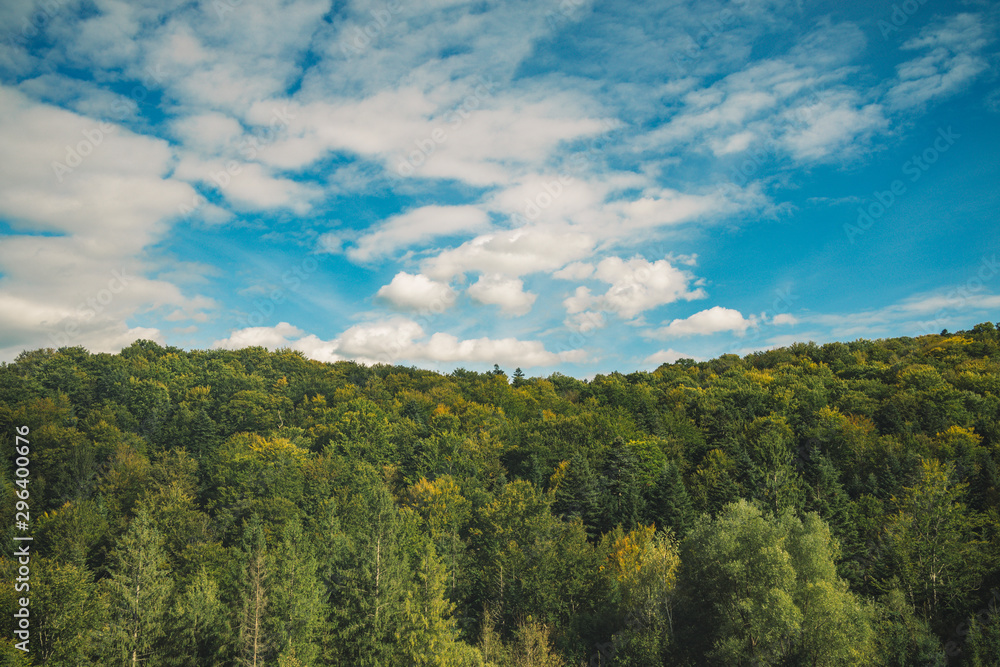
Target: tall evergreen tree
427, 635
668, 504
138, 588
576, 493
256, 644
367, 601
621, 498
296, 603
199, 630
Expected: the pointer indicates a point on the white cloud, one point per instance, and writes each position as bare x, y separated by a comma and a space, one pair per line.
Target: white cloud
784, 318
508, 293
637, 285
952, 62
248, 185
84, 199
584, 321
417, 226
805, 109
834, 123
269, 337
575, 271
436, 133
667, 356
514, 252
417, 292
920, 314
208, 133
713, 320
400, 340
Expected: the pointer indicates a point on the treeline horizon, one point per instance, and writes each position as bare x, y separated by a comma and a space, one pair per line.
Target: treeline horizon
818, 505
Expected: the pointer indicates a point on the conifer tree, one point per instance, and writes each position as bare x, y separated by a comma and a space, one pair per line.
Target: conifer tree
577, 493
255, 640
297, 606
427, 636
138, 590
668, 504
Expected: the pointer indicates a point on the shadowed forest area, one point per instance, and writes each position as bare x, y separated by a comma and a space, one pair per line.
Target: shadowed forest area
810, 505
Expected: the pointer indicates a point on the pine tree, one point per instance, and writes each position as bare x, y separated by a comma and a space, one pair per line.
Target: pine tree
427, 635
368, 596
297, 606
825, 494
668, 504
577, 493
138, 589
982, 647
621, 502
199, 630
255, 641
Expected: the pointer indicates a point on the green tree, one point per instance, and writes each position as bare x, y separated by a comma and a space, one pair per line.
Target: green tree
427, 635
138, 588
982, 648
297, 606
371, 583
256, 643
199, 628
575, 489
759, 589
668, 504
903, 639
68, 612
935, 551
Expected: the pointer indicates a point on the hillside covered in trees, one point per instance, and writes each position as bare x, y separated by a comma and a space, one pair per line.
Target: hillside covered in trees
811, 505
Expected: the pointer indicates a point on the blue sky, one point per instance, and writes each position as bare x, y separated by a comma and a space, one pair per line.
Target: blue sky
567, 186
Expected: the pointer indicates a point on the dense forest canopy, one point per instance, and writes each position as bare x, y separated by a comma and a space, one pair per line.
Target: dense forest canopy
810, 505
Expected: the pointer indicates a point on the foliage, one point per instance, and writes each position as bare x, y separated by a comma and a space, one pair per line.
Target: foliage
810, 505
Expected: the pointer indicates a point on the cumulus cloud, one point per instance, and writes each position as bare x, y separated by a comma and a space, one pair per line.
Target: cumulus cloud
667, 356
416, 226
269, 337
84, 199
514, 253
713, 320
637, 285
417, 292
784, 318
508, 293
400, 340
575, 271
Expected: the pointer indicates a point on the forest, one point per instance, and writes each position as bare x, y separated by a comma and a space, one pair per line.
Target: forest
812, 505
